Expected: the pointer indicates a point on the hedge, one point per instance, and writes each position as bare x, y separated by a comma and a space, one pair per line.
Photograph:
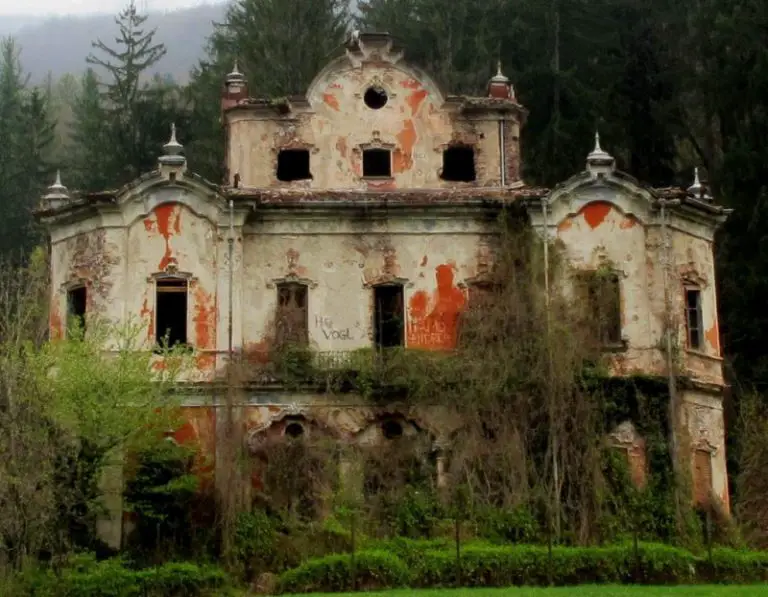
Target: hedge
432, 564
372, 569
111, 578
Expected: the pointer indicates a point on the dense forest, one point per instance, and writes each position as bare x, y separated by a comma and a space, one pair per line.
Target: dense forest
670, 85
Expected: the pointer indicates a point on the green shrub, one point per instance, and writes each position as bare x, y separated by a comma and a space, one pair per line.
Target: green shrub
372, 570
85, 577
434, 564
734, 566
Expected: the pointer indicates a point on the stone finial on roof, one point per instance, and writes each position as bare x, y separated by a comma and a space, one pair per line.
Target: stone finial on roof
697, 189
235, 77
172, 157
57, 194
499, 86
599, 161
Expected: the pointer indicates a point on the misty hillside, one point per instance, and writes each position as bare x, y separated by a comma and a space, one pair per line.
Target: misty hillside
60, 44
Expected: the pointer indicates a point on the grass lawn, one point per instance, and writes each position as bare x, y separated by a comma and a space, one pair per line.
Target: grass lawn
578, 591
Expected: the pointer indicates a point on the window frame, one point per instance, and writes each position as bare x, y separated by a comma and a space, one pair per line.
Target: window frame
288, 338
591, 284
377, 150
699, 310
171, 282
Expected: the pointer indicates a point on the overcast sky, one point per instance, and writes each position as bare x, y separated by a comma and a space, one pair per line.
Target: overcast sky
80, 7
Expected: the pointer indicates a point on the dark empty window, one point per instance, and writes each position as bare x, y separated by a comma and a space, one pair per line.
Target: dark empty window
388, 316
603, 294
293, 164
459, 164
77, 299
693, 317
292, 325
294, 430
392, 429
377, 163
375, 98
171, 313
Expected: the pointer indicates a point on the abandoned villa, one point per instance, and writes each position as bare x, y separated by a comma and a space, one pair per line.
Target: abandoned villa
362, 210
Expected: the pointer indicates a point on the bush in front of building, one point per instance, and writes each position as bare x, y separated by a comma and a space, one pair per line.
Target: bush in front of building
434, 563
370, 570
83, 576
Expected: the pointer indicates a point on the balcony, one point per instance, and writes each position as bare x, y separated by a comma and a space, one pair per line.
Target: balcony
373, 373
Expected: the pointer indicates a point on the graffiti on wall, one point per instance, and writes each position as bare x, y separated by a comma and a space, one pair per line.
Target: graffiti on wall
433, 322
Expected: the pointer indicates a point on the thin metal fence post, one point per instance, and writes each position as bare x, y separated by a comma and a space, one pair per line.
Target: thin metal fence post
353, 562
709, 534
549, 548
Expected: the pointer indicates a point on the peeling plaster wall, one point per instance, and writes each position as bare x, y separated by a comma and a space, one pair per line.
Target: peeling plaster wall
173, 235
600, 228
93, 258
342, 260
415, 124
703, 416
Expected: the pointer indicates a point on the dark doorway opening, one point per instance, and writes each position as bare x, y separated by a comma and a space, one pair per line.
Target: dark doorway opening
459, 164
377, 163
171, 313
293, 164
388, 316
77, 301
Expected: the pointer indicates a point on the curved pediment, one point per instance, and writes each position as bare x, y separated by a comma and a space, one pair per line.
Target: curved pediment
372, 62
587, 194
193, 193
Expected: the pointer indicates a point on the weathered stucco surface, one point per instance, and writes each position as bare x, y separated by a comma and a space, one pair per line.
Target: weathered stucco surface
170, 223
417, 123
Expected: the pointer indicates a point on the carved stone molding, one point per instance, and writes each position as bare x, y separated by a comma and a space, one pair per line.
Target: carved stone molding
291, 279
172, 272
689, 274
388, 280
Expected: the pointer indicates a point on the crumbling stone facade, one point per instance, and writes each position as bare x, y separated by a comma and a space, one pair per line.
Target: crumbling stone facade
375, 188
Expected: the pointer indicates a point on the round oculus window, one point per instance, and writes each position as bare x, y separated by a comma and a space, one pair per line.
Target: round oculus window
375, 98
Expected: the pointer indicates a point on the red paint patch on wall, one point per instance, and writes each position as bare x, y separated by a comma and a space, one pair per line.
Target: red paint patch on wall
167, 223
415, 100
402, 159
410, 84
149, 314
713, 337
204, 318
330, 100
200, 428
436, 330
595, 213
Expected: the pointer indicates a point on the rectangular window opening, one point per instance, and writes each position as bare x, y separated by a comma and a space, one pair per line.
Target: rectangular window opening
702, 477
377, 163
604, 302
693, 317
77, 300
171, 313
388, 316
293, 164
459, 164
292, 317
